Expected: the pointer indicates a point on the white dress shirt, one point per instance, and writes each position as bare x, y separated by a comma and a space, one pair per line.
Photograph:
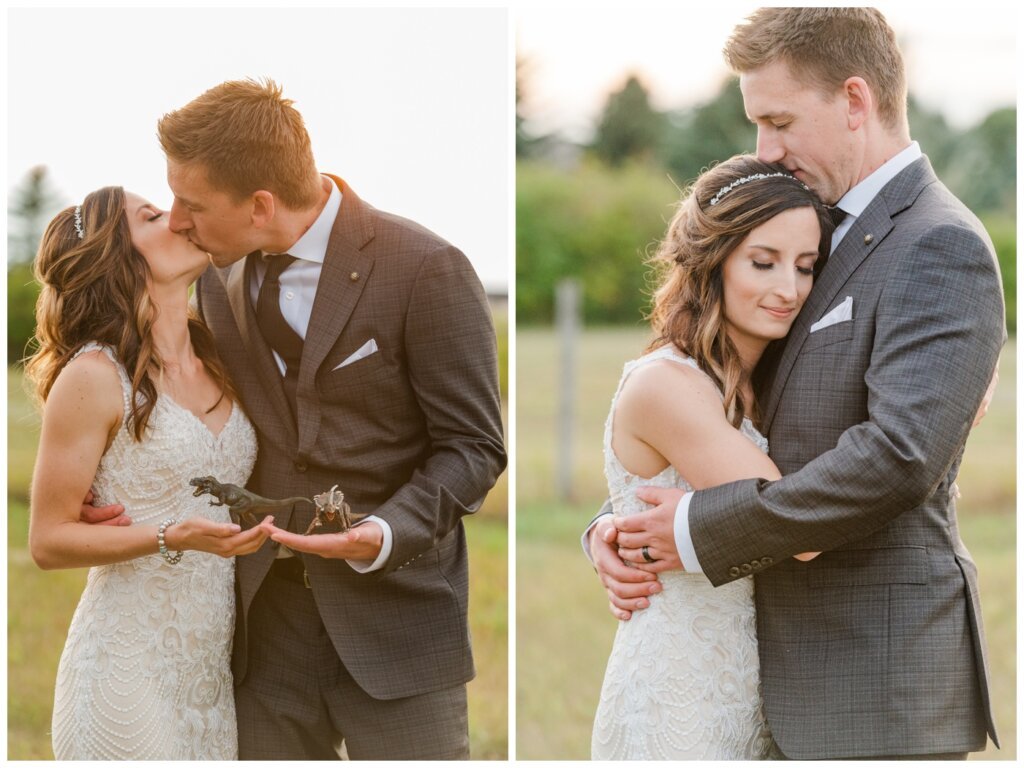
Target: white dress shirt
298, 290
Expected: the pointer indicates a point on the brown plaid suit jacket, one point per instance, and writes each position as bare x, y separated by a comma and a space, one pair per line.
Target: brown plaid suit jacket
876, 647
412, 433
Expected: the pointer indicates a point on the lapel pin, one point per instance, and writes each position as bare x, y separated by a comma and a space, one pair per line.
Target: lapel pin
354, 276
868, 239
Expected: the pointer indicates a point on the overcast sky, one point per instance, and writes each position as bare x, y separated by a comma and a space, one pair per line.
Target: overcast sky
960, 58
412, 107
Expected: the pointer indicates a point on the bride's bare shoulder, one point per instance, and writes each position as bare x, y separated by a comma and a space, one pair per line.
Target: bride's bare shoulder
672, 379
671, 390
87, 387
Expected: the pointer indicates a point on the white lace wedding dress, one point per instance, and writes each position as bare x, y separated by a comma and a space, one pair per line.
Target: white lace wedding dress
683, 680
145, 673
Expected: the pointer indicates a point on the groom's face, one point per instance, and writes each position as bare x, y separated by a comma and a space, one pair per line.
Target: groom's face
213, 219
800, 127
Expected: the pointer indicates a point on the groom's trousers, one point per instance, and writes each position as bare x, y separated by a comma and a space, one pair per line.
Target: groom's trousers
298, 702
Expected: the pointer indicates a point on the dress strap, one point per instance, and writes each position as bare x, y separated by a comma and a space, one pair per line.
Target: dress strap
667, 352
126, 382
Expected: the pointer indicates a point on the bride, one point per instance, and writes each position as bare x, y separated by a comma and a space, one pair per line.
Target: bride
133, 394
682, 681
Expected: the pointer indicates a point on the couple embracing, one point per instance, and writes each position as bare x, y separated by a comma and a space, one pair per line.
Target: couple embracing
327, 344
782, 547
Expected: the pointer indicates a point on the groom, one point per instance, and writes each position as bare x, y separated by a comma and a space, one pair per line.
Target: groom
366, 359
875, 649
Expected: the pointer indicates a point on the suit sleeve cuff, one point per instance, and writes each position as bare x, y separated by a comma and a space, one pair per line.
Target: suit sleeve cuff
684, 543
585, 540
365, 566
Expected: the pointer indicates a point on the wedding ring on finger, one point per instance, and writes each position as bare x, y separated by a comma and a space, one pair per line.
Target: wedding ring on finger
646, 552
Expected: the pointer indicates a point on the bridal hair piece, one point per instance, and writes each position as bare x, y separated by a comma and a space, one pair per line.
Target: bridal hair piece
78, 223
747, 179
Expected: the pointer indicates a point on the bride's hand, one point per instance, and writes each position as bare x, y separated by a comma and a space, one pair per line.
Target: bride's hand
224, 539
653, 528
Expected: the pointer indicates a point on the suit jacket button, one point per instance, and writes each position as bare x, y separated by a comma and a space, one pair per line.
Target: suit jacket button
354, 276
300, 466
766, 561
755, 564
745, 568
734, 571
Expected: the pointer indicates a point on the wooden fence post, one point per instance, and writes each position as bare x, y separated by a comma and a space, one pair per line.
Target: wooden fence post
567, 313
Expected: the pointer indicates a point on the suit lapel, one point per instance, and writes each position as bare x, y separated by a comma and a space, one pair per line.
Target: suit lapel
867, 232
258, 352
345, 272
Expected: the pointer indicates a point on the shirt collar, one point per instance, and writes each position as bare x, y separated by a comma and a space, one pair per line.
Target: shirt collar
857, 199
312, 246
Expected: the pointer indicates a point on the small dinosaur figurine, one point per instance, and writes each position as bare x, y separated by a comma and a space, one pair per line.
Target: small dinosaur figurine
242, 504
333, 512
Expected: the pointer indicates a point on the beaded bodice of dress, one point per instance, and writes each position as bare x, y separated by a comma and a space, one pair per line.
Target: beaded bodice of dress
145, 672
683, 678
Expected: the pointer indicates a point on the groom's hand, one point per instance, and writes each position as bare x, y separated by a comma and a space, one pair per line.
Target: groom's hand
363, 542
628, 589
653, 528
112, 514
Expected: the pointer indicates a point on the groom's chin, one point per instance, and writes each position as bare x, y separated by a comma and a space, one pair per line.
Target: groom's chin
224, 259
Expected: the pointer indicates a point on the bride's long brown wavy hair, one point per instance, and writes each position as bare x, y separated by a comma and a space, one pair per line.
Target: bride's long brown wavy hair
94, 289
689, 310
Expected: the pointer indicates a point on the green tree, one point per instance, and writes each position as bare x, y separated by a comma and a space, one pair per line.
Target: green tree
930, 129
598, 224
708, 133
983, 170
629, 126
33, 204
22, 292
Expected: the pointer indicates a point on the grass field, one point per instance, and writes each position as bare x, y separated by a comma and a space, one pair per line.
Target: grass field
40, 605
563, 628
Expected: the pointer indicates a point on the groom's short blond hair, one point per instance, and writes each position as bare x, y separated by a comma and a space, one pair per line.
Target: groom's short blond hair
823, 47
248, 137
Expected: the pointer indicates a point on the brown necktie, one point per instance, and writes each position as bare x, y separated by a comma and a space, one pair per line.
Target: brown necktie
276, 331
836, 213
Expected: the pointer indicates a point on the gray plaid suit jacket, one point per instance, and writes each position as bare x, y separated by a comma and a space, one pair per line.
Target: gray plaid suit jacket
412, 433
875, 647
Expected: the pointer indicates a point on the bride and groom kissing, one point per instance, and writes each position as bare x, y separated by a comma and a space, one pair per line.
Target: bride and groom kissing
327, 344
782, 546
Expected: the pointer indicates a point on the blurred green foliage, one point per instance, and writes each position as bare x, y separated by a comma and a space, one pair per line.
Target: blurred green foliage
22, 292
499, 312
596, 211
597, 224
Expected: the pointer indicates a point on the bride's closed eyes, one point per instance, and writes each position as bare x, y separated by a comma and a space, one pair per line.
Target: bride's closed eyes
769, 265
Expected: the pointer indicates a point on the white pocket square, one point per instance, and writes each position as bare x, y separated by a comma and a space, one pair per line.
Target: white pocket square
364, 351
839, 314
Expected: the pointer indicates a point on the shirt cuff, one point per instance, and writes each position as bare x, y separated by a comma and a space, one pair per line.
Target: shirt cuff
365, 566
684, 543
585, 540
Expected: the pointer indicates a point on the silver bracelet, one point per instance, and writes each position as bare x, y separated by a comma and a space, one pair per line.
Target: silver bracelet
172, 559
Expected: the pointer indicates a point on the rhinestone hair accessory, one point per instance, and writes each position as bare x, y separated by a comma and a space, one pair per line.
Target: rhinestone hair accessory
78, 223
747, 179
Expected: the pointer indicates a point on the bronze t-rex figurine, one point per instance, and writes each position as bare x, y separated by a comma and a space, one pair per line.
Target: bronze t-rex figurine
242, 504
